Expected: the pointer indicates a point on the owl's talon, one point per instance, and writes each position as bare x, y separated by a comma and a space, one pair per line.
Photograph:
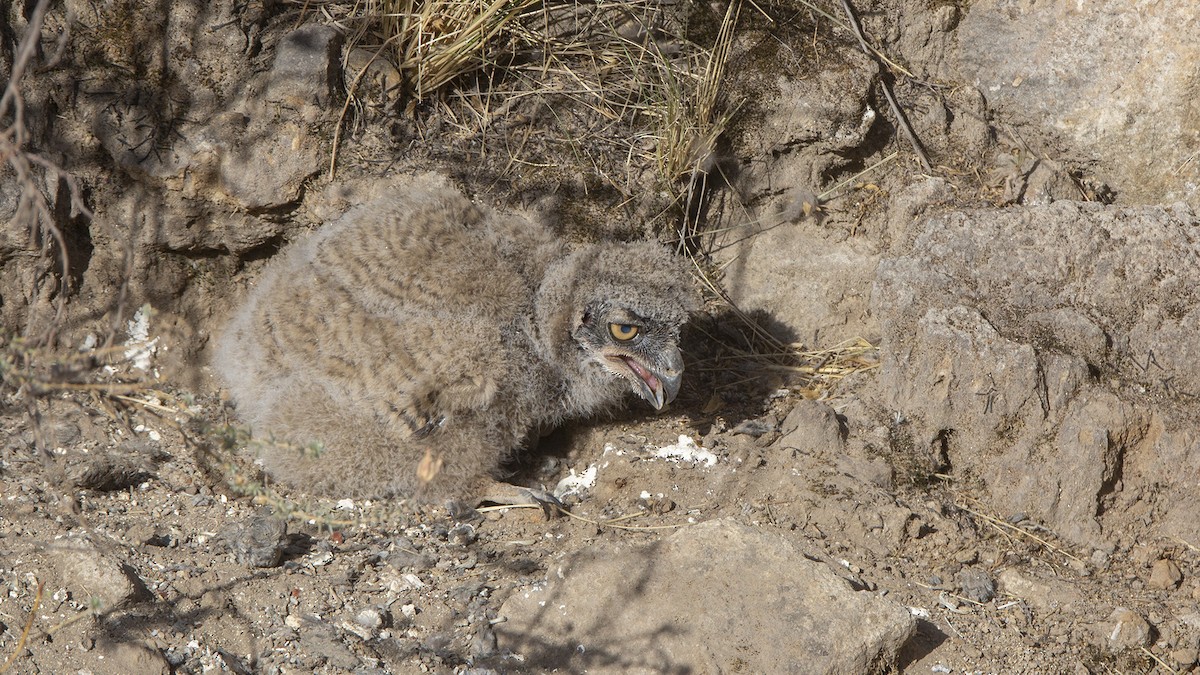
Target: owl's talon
516, 495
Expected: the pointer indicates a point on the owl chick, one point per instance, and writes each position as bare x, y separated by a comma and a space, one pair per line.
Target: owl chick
421, 339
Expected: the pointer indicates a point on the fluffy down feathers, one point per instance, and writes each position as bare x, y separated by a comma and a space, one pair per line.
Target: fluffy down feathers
420, 339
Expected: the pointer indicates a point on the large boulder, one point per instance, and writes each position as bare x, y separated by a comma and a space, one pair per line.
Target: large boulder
740, 600
1115, 81
1052, 353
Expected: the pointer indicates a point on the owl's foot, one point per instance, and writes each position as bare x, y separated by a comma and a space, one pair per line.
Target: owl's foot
507, 494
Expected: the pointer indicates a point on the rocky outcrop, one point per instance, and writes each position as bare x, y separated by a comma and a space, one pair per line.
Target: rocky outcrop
1050, 352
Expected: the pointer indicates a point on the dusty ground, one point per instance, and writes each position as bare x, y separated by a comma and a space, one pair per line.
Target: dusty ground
132, 541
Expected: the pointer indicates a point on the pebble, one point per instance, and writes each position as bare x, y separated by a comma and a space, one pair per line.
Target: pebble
1184, 657
258, 542
976, 584
372, 618
462, 535
1165, 575
1187, 651
1125, 629
91, 573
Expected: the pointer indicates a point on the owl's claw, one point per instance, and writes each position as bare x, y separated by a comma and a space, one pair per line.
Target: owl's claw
515, 495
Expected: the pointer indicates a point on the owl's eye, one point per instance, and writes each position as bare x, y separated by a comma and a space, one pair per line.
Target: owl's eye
623, 331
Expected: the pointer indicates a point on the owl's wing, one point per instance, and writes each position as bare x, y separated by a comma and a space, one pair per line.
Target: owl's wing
412, 366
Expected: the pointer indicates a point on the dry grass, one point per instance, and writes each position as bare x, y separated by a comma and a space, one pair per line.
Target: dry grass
616, 91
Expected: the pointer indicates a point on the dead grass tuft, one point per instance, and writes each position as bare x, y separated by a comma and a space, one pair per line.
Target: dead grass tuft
618, 91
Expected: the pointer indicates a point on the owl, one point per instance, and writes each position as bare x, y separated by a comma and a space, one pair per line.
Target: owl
421, 339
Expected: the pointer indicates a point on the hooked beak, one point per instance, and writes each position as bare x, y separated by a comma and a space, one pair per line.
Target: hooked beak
658, 384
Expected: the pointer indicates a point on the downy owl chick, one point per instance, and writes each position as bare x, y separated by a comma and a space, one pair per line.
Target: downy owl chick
421, 339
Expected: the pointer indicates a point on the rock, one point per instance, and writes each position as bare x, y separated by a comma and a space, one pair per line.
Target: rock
373, 618
94, 575
262, 155
1164, 575
814, 282
1187, 650
258, 542
1124, 629
1043, 595
122, 658
1185, 657
1106, 77
306, 70
600, 610
812, 428
800, 142
975, 584
996, 329
368, 622
815, 289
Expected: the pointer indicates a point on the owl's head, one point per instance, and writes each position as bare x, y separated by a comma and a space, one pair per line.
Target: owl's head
614, 313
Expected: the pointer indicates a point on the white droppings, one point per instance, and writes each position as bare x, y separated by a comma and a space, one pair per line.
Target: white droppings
686, 450
576, 483
140, 348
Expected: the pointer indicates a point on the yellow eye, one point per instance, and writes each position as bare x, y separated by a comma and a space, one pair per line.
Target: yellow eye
623, 331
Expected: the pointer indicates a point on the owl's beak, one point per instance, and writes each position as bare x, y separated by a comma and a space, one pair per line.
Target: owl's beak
658, 384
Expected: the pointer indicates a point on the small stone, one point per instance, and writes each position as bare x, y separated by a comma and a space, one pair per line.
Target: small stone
1165, 575
461, 535
1187, 651
1185, 656
1125, 629
119, 658
976, 584
259, 542
1144, 555
94, 575
373, 618
483, 644
306, 66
